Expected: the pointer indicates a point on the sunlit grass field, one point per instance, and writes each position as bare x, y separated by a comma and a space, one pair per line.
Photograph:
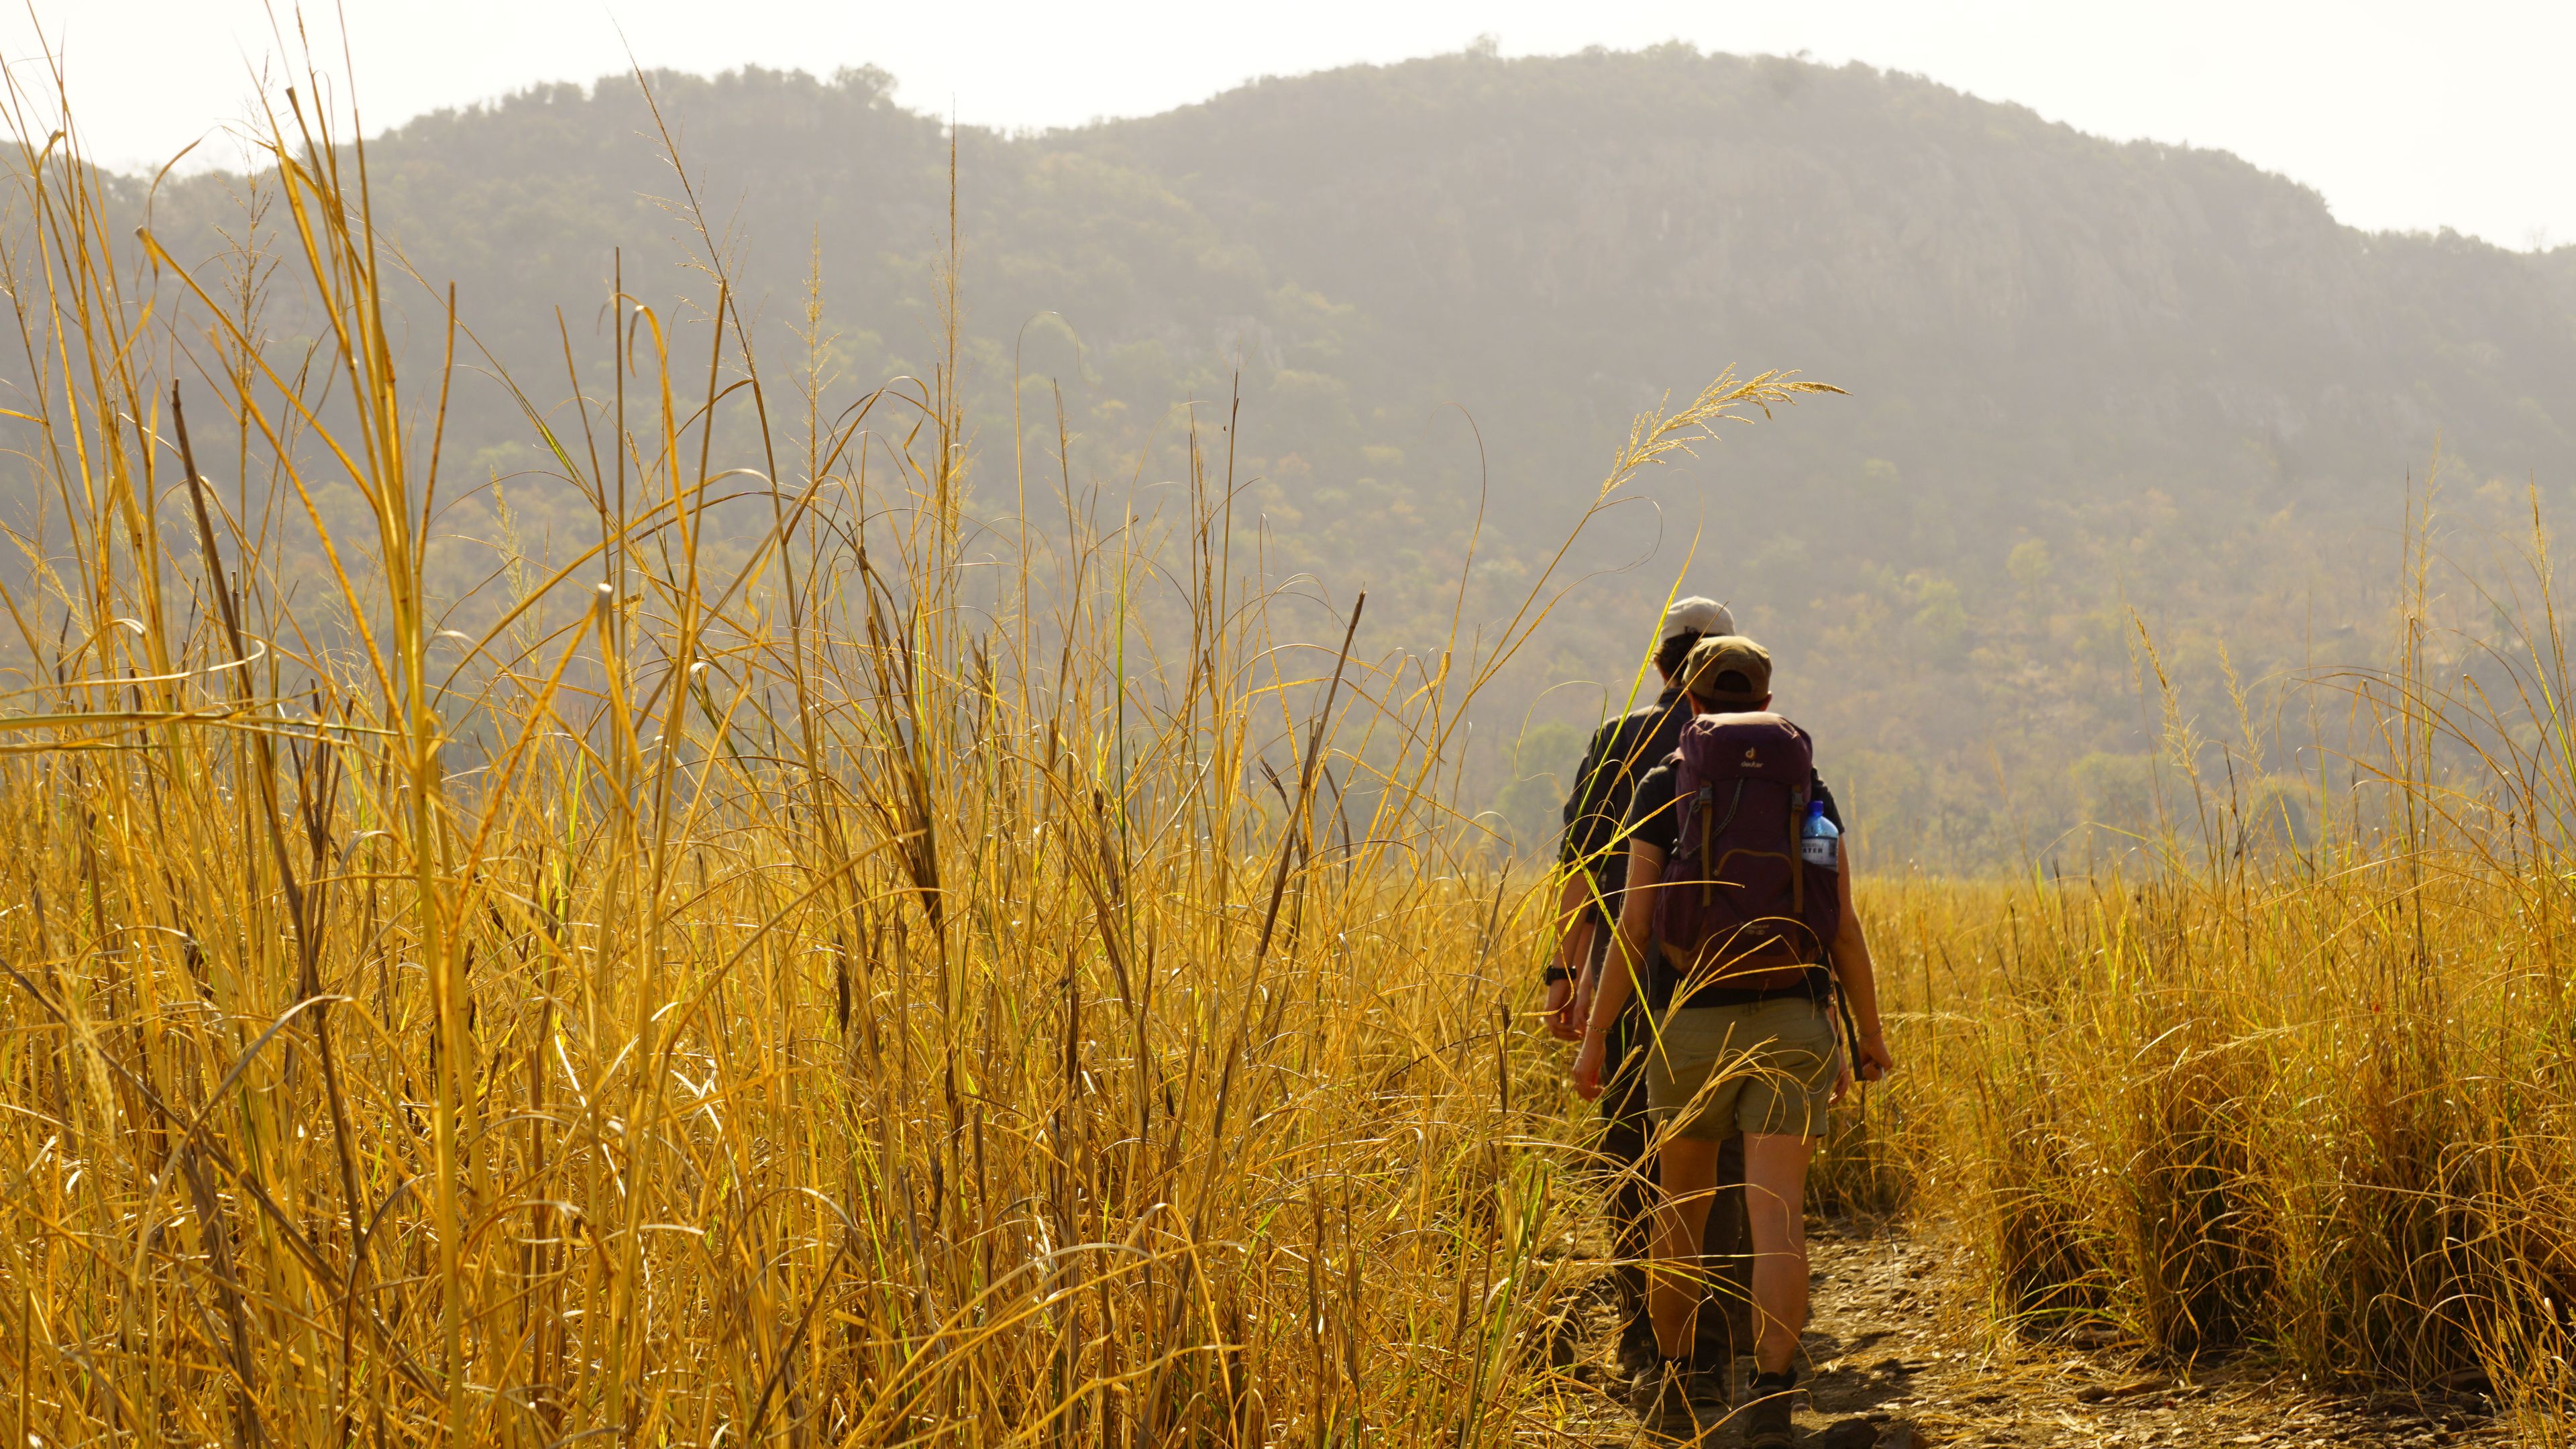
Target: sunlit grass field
978, 966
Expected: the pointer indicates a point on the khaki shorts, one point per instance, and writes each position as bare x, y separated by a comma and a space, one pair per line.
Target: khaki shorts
1767, 1067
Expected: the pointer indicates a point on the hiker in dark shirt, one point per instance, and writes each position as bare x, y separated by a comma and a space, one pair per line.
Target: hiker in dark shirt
1594, 859
1745, 1046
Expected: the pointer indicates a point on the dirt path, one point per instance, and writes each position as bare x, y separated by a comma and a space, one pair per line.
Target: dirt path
1897, 1366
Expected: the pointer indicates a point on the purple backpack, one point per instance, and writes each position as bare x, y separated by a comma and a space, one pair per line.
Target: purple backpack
1740, 907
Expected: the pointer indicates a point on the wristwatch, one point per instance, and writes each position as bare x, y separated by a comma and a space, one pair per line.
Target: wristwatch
1555, 973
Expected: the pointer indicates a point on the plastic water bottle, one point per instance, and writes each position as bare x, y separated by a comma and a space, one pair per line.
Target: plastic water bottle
1820, 841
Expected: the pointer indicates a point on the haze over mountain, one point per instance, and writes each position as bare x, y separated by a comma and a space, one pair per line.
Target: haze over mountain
2086, 378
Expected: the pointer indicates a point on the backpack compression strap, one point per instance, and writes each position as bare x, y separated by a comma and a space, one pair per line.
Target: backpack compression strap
1708, 840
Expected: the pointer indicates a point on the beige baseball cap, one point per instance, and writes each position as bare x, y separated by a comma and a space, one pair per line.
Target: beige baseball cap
1697, 616
1728, 671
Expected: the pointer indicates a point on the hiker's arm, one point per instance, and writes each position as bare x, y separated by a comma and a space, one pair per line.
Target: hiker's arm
1568, 992
1626, 959
1859, 978
1622, 966
1577, 851
1587, 829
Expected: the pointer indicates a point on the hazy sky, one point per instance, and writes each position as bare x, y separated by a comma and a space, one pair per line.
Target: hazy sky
2403, 115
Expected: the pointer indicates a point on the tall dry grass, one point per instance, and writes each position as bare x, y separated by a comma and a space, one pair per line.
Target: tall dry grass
962, 963
922, 981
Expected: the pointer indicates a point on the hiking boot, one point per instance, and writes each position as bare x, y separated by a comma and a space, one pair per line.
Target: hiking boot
1769, 1402
1661, 1399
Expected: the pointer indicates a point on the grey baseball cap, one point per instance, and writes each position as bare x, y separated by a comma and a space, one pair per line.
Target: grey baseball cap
1704, 617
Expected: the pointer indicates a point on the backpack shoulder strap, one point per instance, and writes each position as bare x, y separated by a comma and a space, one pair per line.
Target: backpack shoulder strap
1693, 806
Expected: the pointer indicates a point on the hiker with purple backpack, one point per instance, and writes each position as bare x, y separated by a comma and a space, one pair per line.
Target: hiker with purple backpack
1737, 925
1593, 860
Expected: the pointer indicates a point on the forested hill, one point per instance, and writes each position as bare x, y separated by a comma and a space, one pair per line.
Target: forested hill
2086, 377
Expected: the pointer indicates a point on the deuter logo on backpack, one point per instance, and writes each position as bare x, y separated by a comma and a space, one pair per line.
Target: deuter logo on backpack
1752, 892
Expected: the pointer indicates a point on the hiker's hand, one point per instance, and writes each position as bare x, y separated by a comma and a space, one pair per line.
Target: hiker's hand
1562, 1022
1587, 1067
1875, 1062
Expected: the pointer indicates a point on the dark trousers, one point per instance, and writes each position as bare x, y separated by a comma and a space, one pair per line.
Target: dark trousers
1725, 1324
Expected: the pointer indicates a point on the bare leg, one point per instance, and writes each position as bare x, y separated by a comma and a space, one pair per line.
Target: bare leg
1775, 1199
1687, 1167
